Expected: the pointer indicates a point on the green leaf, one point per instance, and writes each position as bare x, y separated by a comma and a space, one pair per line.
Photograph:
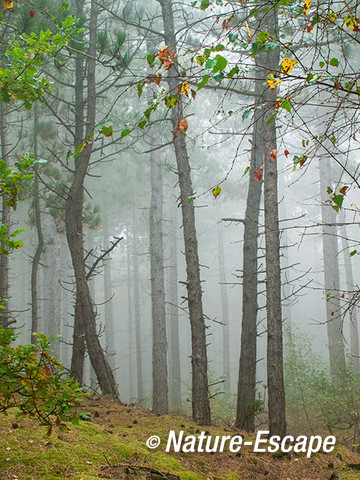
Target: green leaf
263, 37
151, 59
233, 37
286, 105
204, 4
64, 7
233, 71
246, 114
210, 63
203, 82
125, 132
171, 100
334, 62
354, 252
201, 59
140, 88
142, 124
329, 190
221, 63
338, 200
107, 131
321, 64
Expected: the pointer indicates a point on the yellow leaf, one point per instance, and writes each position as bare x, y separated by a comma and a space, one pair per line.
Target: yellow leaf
353, 23
248, 31
184, 89
272, 82
8, 3
287, 65
306, 7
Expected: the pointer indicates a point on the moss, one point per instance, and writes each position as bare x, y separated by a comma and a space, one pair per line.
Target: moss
190, 476
230, 476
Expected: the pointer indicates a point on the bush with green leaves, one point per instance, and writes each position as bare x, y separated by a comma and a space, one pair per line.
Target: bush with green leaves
313, 398
33, 381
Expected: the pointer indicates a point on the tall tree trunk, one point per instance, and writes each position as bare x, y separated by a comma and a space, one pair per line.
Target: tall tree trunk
246, 401
173, 312
55, 290
85, 318
130, 318
200, 390
139, 366
108, 299
350, 286
159, 352
331, 277
5, 319
275, 375
40, 245
224, 305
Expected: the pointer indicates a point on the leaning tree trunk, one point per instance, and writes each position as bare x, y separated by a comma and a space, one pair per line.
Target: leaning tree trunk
159, 352
85, 319
275, 374
40, 235
331, 275
245, 416
5, 320
200, 390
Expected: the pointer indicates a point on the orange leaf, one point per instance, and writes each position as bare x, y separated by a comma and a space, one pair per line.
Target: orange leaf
258, 175
286, 153
343, 190
308, 28
261, 167
183, 125
8, 4
273, 155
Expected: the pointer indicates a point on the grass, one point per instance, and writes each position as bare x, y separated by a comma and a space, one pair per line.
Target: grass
115, 437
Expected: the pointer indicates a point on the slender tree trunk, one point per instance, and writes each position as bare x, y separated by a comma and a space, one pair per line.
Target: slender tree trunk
350, 286
174, 359
108, 298
331, 276
40, 235
159, 352
85, 318
5, 319
200, 390
275, 375
224, 305
130, 318
55, 290
139, 367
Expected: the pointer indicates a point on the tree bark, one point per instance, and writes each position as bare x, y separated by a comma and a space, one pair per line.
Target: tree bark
246, 407
5, 318
224, 305
350, 286
159, 352
331, 277
275, 375
130, 318
40, 235
173, 312
200, 391
108, 299
139, 366
85, 319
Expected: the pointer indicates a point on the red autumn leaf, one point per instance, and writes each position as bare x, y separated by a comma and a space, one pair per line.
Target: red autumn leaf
31, 13
193, 94
261, 167
258, 175
154, 79
166, 58
337, 85
286, 153
273, 155
343, 190
183, 125
308, 28
175, 137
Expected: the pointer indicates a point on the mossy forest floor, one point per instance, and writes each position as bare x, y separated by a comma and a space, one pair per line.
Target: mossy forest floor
113, 441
